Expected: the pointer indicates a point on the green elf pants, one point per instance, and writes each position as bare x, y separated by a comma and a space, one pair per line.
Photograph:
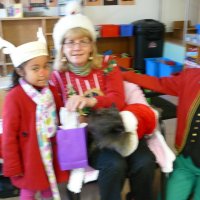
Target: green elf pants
184, 179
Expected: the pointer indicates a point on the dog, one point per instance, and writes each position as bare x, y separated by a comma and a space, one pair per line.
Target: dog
109, 128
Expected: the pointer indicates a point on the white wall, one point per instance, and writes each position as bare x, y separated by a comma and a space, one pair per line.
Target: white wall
143, 9
176, 10
172, 10
194, 11
165, 11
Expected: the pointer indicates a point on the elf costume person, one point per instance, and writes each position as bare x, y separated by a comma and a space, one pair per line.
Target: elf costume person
185, 179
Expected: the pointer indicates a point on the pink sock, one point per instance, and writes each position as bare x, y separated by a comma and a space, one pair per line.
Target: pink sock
27, 194
46, 193
30, 194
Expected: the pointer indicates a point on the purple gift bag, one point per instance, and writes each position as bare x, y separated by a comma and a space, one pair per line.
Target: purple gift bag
72, 148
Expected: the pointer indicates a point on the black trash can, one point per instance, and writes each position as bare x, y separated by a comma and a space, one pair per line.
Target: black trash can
149, 41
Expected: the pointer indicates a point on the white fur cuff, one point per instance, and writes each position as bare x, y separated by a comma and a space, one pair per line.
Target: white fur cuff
130, 123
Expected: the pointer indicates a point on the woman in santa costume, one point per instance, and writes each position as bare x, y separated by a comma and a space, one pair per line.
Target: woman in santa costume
86, 80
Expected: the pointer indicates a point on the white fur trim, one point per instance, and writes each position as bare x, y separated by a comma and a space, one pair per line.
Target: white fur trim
76, 179
71, 21
130, 123
129, 120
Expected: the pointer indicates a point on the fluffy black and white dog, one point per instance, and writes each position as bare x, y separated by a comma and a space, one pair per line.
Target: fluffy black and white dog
112, 129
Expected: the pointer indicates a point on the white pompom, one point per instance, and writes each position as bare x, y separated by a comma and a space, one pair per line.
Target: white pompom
73, 7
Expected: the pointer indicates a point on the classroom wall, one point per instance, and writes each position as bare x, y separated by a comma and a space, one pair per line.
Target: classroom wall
194, 10
172, 11
165, 11
143, 9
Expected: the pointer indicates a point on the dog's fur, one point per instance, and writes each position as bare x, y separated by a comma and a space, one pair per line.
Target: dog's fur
107, 129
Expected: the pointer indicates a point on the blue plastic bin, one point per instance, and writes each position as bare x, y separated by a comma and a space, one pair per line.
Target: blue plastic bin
126, 30
198, 28
167, 70
159, 68
152, 66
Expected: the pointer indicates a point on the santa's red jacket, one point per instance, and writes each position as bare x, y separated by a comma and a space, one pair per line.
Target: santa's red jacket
185, 85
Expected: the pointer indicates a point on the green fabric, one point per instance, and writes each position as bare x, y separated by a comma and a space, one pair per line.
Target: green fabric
183, 180
81, 71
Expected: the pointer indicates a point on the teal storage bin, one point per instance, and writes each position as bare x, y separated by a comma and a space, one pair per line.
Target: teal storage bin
126, 30
162, 67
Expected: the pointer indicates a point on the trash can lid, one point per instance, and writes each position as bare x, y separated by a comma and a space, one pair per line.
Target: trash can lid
148, 23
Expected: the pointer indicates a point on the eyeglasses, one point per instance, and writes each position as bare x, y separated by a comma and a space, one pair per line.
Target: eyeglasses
81, 43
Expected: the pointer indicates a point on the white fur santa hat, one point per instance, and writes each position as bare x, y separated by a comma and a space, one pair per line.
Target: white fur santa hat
25, 51
73, 19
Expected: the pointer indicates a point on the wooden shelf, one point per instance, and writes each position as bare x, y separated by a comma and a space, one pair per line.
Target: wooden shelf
193, 52
118, 45
193, 44
22, 30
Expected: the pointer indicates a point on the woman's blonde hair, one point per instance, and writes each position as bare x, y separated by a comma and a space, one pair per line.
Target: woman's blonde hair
60, 62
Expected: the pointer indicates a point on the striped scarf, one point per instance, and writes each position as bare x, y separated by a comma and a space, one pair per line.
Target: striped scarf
81, 71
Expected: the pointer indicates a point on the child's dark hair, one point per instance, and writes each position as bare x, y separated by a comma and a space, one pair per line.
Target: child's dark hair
16, 76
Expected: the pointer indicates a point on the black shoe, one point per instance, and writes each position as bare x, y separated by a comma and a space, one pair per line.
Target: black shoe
7, 189
129, 196
73, 196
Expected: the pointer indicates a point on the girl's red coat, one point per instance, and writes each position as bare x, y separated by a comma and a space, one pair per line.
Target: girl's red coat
21, 154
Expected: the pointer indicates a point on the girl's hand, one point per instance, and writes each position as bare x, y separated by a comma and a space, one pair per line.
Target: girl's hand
77, 102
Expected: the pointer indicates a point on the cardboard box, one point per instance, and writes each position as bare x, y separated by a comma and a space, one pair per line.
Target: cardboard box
15, 10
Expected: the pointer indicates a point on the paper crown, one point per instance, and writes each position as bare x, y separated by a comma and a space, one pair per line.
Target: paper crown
25, 51
73, 19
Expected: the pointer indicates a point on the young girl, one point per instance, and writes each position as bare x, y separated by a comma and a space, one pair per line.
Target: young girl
29, 123
86, 81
